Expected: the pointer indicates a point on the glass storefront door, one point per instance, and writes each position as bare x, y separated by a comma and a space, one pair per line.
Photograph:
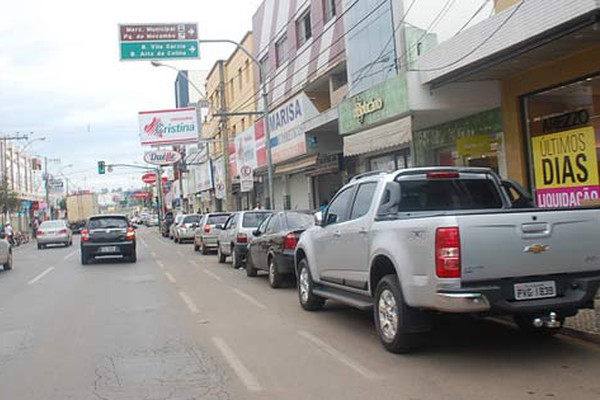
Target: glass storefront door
563, 131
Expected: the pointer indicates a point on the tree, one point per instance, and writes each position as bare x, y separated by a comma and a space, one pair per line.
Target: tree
9, 200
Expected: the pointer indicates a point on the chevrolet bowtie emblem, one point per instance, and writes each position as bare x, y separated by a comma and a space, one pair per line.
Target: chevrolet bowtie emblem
536, 248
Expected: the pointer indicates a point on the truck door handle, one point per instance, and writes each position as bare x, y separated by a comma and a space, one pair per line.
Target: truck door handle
337, 234
363, 231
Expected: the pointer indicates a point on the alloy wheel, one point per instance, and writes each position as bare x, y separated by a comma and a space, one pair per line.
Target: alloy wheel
387, 309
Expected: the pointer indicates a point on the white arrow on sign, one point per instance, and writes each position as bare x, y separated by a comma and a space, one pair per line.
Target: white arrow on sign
191, 31
192, 49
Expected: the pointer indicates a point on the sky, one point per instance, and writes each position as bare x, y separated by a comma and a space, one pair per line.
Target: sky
61, 78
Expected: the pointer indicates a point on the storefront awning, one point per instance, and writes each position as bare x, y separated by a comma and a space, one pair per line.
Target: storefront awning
530, 33
392, 134
297, 165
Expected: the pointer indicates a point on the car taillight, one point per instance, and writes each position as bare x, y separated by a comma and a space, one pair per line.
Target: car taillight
206, 228
85, 235
130, 235
290, 241
40, 233
241, 238
63, 231
447, 252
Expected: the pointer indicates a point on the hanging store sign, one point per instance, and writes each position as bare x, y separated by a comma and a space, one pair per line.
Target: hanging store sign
374, 106
285, 123
566, 168
473, 145
168, 127
219, 177
162, 157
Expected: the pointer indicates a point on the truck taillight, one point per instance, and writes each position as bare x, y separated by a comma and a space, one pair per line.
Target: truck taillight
241, 238
63, 231
40, 233
85, 235
130, 235
447, 252
290, 241
206, 228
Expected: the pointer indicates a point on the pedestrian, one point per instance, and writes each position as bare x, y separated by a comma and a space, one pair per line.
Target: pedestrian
8, 231
35, 224
258, 206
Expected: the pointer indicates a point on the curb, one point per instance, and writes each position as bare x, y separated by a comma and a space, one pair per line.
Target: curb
587, 336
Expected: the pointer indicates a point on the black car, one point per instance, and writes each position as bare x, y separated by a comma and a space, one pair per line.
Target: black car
272, 248
108, 235
166, 223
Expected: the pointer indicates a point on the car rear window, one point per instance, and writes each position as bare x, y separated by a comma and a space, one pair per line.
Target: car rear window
52, 225
191, 219
440, 195
108, 222
253, 219
217, 219
299, 221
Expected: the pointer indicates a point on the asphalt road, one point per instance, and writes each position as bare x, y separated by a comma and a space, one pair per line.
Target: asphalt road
178, 325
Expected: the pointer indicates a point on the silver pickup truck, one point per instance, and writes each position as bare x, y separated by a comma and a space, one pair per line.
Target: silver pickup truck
418, 241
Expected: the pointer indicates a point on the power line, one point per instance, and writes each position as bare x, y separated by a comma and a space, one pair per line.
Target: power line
487, 39
334, 42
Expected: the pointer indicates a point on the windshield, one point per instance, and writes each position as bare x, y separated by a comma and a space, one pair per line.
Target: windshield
191, 219
253, 219
107, 222
52, 225
217, 219
299, 221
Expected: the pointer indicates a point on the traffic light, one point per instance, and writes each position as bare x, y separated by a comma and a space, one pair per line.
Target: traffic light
101, 167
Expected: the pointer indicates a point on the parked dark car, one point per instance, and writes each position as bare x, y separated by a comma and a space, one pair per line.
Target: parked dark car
166, 223
108, 235
272, 248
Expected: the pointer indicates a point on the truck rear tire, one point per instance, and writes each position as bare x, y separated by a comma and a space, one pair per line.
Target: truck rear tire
391, 317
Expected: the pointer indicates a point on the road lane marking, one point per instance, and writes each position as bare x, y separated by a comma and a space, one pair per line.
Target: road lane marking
250, 299
160, 263
153, 254
170, 277
69, 255
215, 276
338, 355
144, 243
180, 253
189, 302
237, 365
40, 276
193, 263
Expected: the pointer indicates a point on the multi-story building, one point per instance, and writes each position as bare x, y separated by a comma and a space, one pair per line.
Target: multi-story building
390, 118
544, 56
301, 49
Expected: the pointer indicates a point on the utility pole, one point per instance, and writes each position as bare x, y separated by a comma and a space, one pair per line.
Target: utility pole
46, 187
225, 139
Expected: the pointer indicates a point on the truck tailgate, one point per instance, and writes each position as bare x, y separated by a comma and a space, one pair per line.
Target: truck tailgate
536, 242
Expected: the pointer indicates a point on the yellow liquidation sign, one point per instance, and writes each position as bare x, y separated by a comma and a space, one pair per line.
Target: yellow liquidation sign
565, 159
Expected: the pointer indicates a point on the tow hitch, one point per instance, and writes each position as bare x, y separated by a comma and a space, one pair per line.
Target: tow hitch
549, 321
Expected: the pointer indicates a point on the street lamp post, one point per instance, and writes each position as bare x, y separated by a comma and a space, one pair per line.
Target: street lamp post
262, 75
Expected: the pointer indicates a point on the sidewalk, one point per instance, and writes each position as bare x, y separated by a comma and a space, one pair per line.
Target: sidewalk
585, 325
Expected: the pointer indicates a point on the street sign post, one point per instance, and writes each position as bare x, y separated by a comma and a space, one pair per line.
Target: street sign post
158, 41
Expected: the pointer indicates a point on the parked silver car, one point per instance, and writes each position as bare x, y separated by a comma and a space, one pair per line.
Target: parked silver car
176, 221
237, 232
207, 233
185, 230
54, 232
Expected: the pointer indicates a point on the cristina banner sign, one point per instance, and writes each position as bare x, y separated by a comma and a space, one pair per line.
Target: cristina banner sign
168, 127
566, 168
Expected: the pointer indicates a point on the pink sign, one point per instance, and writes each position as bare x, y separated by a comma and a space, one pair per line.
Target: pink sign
566, 197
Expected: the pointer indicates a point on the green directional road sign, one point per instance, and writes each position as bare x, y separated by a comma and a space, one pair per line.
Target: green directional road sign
155, 50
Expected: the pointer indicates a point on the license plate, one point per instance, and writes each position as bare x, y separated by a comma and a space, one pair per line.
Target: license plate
535, 290
108, 249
